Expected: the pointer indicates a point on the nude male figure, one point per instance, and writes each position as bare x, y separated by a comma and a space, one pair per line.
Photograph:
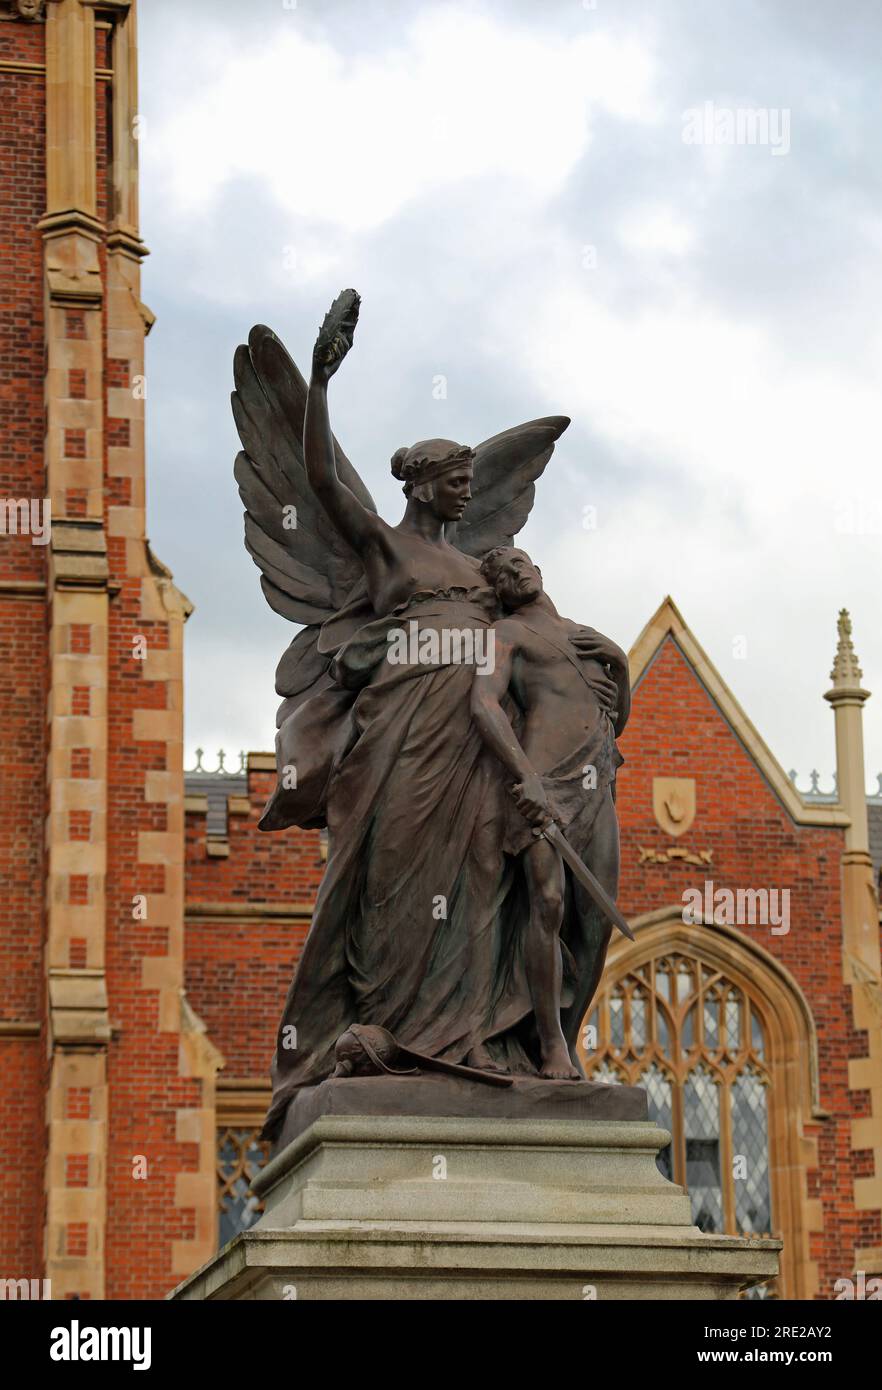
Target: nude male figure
571, 685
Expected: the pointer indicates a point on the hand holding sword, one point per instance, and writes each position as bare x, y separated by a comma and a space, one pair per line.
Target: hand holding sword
533, 803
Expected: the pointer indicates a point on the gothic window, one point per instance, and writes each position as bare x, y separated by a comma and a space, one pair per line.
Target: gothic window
240, 1154
678, 1026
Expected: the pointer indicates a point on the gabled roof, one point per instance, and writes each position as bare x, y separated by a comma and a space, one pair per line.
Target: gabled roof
667, 622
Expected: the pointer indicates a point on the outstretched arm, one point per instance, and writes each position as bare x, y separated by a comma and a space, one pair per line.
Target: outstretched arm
356, 523
495, 728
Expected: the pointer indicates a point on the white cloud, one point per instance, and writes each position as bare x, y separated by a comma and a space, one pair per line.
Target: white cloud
348, 142
769, 461
657, 228
457, 160
712, 396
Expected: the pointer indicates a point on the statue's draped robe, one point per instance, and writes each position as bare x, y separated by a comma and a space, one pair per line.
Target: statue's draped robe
406, 925
420, 918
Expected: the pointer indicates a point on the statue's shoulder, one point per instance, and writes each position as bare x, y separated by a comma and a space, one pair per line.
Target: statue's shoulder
513, 632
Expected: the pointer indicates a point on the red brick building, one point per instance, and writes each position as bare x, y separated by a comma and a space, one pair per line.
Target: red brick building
757, 1037
149, 932
107, 1136
756, 1029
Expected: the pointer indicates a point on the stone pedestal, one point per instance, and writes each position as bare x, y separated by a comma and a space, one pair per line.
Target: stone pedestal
373, 1206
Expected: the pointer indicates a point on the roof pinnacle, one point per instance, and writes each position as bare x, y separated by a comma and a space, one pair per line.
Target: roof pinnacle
846, 670
846, 674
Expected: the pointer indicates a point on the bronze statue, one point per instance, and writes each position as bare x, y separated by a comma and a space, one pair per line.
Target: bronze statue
421, 921
368, 1050
563, 766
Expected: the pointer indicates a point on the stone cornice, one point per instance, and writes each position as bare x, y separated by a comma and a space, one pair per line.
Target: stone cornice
261, 762
79, 554
78, 1007
53, 224
71, 239
125, 240
22, 588
258, 911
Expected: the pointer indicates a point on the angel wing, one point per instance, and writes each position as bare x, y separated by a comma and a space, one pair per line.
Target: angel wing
308, 570
503, 486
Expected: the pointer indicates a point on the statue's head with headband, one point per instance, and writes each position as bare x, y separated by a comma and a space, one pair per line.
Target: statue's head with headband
425, 463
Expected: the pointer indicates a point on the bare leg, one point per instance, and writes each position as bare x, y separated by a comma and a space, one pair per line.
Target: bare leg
545, 883
602, 858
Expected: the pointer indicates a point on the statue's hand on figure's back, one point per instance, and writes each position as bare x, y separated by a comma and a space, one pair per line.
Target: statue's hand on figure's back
612, 685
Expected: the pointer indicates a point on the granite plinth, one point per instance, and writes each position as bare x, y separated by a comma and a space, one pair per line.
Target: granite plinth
443, 1208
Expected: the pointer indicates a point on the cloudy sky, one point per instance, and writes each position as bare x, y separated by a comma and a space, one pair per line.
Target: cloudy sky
530, 208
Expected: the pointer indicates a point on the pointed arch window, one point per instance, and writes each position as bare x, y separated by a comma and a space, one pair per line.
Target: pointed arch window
241, 1153
695, 1039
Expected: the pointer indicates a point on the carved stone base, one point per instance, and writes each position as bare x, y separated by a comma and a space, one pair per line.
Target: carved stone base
423, 1207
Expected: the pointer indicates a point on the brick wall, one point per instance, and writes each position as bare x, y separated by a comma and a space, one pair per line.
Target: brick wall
23, 657
238, 968
676, 730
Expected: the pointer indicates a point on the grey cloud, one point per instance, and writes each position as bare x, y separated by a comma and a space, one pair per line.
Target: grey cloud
785, 243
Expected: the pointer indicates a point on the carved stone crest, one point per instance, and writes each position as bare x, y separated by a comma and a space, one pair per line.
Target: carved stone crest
673, 803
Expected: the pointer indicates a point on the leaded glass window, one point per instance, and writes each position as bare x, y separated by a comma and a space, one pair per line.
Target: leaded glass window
750, 1137
240, 1153
678, 1026
701, 1126
659, 1087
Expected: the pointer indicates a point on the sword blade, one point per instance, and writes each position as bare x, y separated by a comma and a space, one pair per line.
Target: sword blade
556, 837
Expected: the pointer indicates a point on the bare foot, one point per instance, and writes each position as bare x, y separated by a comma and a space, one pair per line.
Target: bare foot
557, 1066
480, 1059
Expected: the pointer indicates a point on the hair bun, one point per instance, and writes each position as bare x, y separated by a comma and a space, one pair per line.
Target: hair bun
398, 463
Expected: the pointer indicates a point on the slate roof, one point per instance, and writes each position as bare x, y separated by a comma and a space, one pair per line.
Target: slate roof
217, 787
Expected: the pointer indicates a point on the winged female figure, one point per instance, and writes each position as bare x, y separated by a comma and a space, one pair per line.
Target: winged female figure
405, 932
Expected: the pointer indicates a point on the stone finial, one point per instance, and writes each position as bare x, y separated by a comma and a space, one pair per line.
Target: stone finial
846, 671
846, 674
